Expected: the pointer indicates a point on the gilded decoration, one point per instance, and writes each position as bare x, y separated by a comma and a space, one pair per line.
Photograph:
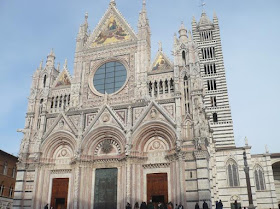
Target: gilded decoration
63, 80
160, 63
112, 33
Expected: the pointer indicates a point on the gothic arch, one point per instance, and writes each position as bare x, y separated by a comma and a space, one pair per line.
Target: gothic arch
232, 173
259, 176
59, 141
153, 129
92, 142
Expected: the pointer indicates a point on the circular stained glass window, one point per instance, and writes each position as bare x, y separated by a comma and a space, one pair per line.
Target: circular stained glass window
110, 77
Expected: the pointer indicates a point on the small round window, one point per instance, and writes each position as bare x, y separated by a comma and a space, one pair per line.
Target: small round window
110, 77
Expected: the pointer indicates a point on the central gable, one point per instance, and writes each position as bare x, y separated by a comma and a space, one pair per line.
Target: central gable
112, 29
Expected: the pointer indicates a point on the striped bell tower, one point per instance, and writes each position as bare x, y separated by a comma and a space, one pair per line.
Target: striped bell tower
206, 33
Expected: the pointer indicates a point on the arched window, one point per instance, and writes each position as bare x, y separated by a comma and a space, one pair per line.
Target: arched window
232, 171
171, 85
11, 190
215, 117
5, 168
44, 82
14, 172
259, 178
150, 88
184, 57
2, 189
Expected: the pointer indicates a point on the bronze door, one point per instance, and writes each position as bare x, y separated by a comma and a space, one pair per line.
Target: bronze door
157, 187
59, 193
105, 189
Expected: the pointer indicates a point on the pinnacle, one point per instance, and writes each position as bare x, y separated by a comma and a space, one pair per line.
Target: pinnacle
193, 19
160, 46
58, 66
41, 65
51, 53
144, 5
65, 64
112, 2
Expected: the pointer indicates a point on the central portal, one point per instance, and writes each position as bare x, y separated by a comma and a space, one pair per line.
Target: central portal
157, 187
105, 191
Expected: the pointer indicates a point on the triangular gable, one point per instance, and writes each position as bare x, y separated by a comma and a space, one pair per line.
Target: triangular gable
62, 123
104, 116
163, 113
63, 79
161, 62
112, 28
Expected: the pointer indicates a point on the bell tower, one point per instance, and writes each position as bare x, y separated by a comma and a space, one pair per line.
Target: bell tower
206, 34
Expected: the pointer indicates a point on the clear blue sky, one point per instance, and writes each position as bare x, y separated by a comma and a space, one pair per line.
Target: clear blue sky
250, 39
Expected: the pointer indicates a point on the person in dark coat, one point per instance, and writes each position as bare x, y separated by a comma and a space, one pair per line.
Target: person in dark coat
150, 205
235, 204
136, 206
127, 206
196, 206
220, 205
180, 206
46, 206
142, 205
204, 205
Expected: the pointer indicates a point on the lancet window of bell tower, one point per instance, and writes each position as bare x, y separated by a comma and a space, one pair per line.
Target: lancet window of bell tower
206, 35
208, 53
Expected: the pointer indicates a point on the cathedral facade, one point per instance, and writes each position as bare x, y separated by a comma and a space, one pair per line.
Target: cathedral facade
125, 128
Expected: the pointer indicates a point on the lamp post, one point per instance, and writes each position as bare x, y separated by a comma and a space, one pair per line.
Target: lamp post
249, 190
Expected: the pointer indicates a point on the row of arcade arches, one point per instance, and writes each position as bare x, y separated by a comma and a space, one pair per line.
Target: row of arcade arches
109, 141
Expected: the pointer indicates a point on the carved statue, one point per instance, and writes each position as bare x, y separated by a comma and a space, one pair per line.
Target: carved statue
127, 149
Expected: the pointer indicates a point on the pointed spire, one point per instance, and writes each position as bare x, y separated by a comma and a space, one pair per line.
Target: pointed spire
175, 39
193, 19
215, 18
143, 19
50, 59
183, 33
144, 6
160, 46
190, 36
86, 17
52, 53
204, 20
41, 65
215, 15
58, 66
65, 64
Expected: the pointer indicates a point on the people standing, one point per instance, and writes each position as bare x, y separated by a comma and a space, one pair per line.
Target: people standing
150, 205
143, 205
196, 206
127, 206
46, 206
204, 205
180, 206
136, 206
220, 205
235, 204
